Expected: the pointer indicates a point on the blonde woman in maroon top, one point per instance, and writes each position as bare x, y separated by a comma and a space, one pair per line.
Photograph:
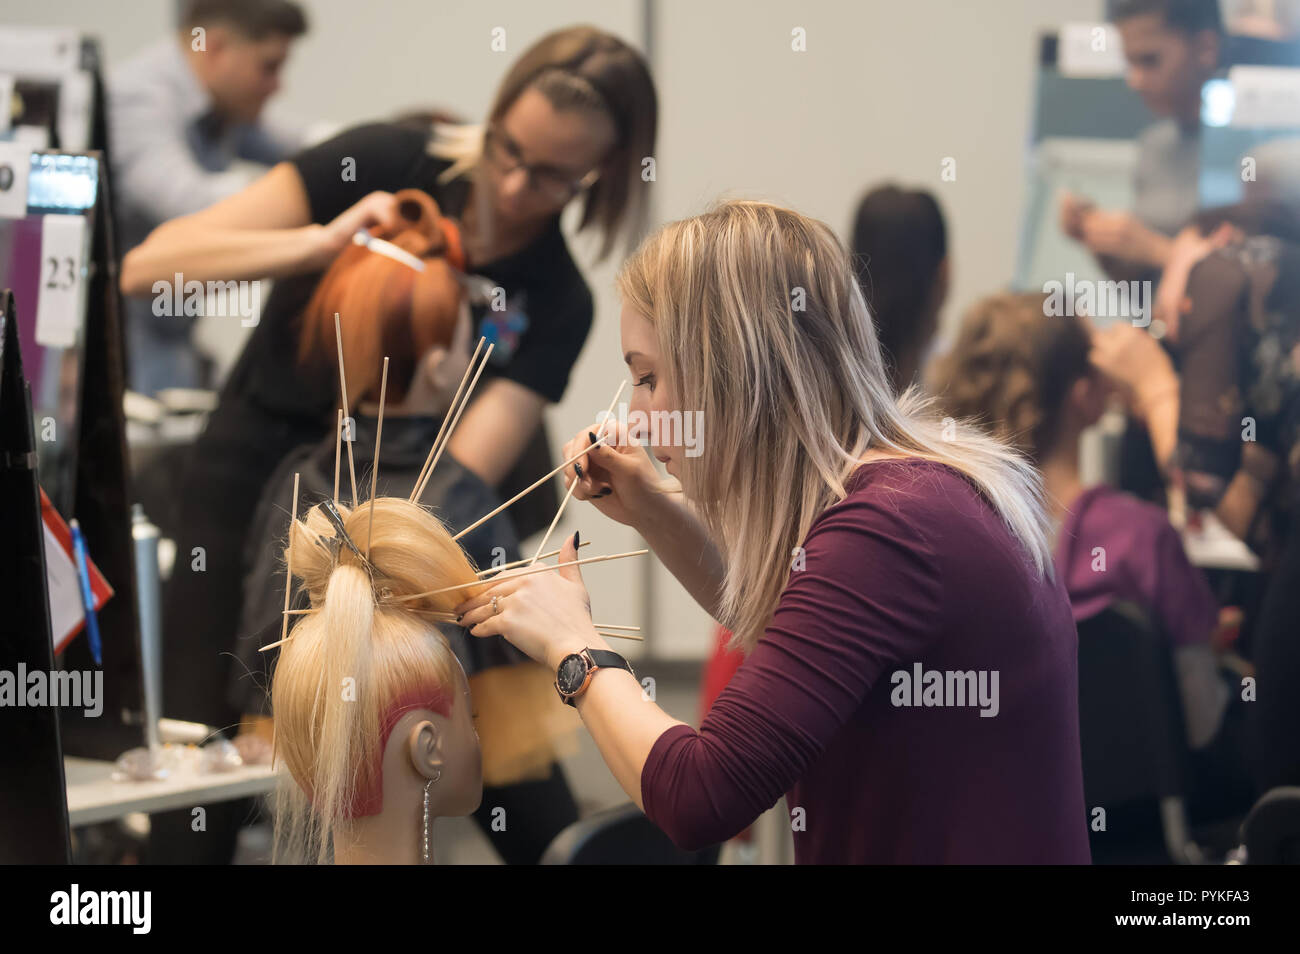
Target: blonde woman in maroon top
910, 680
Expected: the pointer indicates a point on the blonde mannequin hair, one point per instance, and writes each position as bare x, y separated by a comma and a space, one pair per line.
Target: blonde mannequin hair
362, 658
762, 327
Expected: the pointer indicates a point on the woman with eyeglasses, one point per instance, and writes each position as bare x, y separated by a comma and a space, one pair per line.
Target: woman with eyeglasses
573, 118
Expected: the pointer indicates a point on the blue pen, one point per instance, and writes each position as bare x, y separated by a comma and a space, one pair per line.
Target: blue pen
87, 595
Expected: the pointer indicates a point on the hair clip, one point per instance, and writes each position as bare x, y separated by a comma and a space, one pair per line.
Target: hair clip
479, 290
332, 545
381, 247
341, 535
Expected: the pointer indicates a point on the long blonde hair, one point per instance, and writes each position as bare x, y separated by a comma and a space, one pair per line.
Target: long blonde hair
762, 327
361, 658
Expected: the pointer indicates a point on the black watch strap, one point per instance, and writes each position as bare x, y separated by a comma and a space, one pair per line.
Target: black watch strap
606, 659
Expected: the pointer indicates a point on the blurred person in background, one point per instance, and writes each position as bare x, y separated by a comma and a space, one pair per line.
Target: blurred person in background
187, 130
1226, 427
1172, 48
1028, 378
900, 249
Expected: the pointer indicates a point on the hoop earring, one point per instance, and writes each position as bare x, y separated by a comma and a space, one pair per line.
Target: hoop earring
426, 851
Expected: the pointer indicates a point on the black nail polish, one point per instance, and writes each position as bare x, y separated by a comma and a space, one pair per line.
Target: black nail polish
606, 492
575, 539
578, 469
460, 617
592, 435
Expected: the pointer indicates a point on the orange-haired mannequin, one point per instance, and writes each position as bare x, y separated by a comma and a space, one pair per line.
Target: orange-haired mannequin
418, 309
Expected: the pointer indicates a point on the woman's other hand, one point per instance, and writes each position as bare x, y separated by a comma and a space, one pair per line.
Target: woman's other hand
1072, 209
1136, 364
546, 615
617, 477
1188, 248
378, 210
441, 370
1121, 235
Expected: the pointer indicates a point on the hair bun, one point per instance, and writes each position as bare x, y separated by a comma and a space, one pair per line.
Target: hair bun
419, 226
411, 552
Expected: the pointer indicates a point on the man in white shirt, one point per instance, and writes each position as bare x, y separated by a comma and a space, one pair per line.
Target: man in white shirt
185, 125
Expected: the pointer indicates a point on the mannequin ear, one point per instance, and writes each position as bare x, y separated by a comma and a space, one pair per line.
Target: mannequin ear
425, 752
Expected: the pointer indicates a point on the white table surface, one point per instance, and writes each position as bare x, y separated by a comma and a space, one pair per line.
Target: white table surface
1213, 547
93, 796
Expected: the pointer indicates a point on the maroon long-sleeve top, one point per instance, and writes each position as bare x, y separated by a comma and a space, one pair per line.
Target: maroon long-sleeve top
914, 697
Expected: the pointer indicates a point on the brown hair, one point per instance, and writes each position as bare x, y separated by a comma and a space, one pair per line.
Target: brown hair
900, 243
1188, 16
386, 307
255, 19
1011, 368
584, 68
1253, 217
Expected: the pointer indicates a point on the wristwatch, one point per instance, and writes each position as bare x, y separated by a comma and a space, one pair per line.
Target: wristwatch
576, 669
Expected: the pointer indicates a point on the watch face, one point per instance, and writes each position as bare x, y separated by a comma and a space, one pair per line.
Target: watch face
573, 669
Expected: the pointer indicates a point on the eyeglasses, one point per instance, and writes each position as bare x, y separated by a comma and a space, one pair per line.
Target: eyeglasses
504, 153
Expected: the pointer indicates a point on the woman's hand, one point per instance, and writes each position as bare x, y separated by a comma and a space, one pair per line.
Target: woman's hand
617, 477
376, 210
1188, 248
545, 615
1072, 210
1136, 364
441, 370
1121, 235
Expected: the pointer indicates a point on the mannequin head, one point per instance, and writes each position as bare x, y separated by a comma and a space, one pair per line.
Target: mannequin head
385, 307
370, 702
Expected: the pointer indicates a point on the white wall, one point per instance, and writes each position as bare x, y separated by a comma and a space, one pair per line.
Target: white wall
885, 90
